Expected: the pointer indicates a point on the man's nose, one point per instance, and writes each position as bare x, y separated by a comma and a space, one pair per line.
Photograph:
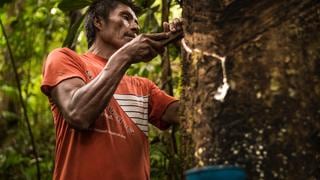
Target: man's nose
135, 27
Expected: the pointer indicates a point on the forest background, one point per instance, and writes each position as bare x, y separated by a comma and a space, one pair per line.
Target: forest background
248, 80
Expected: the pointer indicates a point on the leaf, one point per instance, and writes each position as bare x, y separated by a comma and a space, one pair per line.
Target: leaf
144, 3
139, 2
3, 2
155, 9
10, 91
73, 32
11, 117
150, 23
149, 3
69, 5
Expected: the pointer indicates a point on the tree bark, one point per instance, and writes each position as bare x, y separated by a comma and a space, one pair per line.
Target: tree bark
268, 122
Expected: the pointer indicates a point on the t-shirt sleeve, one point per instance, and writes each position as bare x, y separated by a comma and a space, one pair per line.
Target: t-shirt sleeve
61, 64
158, 103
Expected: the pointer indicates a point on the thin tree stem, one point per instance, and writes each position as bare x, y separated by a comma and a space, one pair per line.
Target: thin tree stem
34, 150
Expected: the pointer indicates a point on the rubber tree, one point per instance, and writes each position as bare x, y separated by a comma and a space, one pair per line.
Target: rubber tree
261, 111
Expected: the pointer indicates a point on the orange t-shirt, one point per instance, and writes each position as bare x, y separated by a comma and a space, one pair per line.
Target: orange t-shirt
116, 145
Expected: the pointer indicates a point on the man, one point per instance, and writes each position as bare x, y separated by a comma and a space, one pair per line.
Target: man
101, 115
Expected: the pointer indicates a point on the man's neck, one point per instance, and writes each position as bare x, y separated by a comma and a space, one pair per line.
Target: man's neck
102, 50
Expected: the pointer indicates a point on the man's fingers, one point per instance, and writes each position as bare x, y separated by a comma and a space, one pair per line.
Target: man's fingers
156, 45
172, 27
176, 25
166, 27
154, 52
157, 36
174, 36
151, 53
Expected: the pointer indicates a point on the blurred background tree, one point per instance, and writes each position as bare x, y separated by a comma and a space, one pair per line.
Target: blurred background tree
33, 29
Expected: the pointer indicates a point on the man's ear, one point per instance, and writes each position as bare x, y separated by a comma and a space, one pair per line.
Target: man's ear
97, 21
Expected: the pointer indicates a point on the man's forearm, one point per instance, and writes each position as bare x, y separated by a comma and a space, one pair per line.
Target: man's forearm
90, 100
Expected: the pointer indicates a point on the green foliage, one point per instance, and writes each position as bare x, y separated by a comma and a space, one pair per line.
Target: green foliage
70, 5
144, 3
35, 27
3, 2
74, 27
150, 22
73, 32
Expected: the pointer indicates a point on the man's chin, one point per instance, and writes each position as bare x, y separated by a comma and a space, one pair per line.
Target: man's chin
128, 38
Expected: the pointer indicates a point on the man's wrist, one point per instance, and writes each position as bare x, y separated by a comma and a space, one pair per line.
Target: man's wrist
124, 56
120, 60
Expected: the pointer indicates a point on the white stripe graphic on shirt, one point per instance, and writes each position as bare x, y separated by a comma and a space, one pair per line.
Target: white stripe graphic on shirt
131, 97
137, 115
136, 107
139, 121
145, 129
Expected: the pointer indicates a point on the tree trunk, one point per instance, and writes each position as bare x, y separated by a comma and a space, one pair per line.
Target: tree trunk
269, 120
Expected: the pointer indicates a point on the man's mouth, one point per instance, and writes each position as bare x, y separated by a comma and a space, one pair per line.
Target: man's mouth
131, 35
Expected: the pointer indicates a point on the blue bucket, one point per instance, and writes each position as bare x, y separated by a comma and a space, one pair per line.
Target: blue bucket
216, 173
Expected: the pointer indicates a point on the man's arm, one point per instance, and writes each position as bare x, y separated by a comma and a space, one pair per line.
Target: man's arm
171, 115
82, 103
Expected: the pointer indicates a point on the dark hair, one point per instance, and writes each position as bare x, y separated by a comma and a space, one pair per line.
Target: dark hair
101, 9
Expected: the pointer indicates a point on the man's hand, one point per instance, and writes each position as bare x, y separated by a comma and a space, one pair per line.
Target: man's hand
175, 29
175, 26
144, 47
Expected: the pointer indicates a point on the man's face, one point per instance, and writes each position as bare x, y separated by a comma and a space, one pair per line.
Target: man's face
121, 27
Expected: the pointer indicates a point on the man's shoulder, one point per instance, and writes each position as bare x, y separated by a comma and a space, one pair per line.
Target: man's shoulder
63, 51
63, 55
